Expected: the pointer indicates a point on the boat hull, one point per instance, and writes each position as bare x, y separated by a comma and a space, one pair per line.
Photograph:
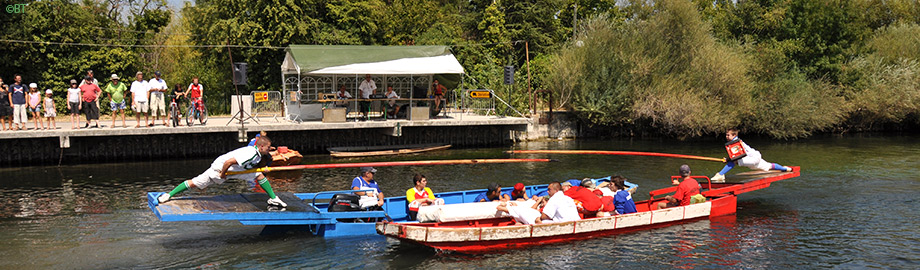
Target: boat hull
473, 239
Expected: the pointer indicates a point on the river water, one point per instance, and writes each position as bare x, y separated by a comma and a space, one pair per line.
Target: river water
853, 207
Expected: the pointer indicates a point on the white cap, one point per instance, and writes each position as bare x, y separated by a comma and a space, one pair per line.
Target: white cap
48, 91
33, 85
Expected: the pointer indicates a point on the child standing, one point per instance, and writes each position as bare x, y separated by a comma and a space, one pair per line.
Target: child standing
34, 98
752, 160
50, 111
74, 105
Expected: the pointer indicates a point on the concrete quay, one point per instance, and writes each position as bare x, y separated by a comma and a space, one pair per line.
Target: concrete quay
221, 134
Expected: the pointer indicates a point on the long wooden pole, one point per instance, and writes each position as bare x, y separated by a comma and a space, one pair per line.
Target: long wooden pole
619, 153
391, 164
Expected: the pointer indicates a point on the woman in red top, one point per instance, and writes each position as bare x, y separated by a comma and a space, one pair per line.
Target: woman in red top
420, 195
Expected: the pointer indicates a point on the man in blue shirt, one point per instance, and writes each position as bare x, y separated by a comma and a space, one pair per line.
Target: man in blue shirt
365, 180
493, 193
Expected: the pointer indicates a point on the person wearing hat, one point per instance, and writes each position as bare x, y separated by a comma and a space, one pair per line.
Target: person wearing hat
116, 92
17, 97
50, 112
158, 87
688, 187
90, 97
241, 159
518, 193
420, 195
35, 105
74, 95
364, 181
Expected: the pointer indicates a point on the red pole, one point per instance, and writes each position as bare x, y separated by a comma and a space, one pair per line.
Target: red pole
620, 153
390, 164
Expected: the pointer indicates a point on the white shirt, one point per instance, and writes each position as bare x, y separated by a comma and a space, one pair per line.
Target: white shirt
392, 95
247, 157
343, 95
73, 95
367, 88
157, 84
561, 208
83, 82
140, 88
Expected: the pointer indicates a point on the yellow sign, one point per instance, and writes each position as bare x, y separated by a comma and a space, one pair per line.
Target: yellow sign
260, 96
480, 94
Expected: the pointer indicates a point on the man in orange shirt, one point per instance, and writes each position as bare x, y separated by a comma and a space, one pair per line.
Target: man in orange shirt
687, 187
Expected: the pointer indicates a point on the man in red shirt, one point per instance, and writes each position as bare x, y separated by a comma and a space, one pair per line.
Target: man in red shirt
90, 92
687, 187
590, 203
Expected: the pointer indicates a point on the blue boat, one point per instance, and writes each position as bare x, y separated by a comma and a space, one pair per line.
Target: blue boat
305, 211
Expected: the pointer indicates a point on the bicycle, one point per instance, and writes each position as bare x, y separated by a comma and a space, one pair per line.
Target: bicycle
174, 110
196, 110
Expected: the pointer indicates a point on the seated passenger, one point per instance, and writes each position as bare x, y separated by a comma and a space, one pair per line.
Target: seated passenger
559, 207
523, 214
370, 200
518, 194
420, 195
493, 193
590, 203
688, 187
623, 201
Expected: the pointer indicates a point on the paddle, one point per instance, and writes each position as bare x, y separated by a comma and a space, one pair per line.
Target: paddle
620, 153
390, 164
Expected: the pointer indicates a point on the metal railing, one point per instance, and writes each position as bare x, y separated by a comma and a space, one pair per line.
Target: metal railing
267, 104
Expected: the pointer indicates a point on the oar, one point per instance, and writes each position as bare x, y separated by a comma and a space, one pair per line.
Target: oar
391, 164
620, 153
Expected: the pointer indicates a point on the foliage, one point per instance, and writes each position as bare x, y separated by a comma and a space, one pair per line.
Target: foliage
884, 85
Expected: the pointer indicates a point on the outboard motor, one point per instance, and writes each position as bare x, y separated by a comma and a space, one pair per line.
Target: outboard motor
344, 202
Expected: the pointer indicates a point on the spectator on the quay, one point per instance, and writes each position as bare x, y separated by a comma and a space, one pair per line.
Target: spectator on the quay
139, 92
93, 81
74, 96
89, 73
392, 109
157, 87
50, 111
18, 100
116, 92
35, 106
90, 93
6, 107
368, 87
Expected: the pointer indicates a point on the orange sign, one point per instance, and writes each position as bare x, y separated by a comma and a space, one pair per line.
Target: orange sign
260, 96
480, 94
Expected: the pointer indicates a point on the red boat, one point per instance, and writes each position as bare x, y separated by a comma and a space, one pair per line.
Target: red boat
481, 236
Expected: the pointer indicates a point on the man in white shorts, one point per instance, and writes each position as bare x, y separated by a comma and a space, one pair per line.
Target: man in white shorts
139, 92
241, 159
157, 98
